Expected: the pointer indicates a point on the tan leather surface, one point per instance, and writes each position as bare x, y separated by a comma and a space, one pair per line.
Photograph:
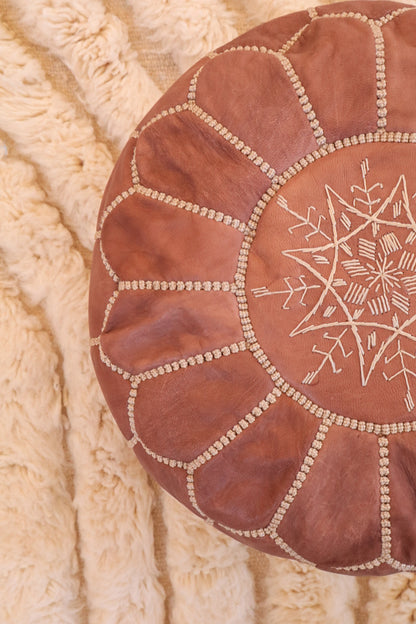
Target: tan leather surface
167, 244
335, 516
273, 447
259, 350
218, 392
399, 71
332, 81
403, 496
177, 155
247, 79
150, 328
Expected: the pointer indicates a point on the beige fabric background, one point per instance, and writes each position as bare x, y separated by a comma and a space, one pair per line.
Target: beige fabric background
85, 535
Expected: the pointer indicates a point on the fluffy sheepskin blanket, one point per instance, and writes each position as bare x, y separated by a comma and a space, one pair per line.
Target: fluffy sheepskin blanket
85, 535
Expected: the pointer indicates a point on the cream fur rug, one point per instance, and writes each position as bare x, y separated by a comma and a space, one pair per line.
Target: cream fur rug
85, 535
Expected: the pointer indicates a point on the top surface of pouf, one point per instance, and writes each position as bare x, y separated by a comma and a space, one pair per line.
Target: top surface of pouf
253, 290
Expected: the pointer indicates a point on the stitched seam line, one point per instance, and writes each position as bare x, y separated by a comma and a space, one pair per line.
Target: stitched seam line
234, 140
301, 476
294, 80
380, 77
177, 285
235, 431
165, 113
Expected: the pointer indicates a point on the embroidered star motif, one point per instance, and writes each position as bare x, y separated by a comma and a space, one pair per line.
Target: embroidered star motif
365, 268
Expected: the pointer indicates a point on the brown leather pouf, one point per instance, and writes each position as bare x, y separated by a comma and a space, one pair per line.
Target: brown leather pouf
253, 290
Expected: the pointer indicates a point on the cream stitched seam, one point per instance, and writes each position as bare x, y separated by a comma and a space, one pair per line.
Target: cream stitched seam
174, 366
165, 113
235, 431
107, 265
270, 529
368, 565
364, 18
401, 567
295, 82
193, 83
290, 42
292, 553
390, 16
177, 285
303, 99
199, 358
201, 211
109, 307
234, 140
301, 477
109, 209
380, 76
385, 519
116, 369
313, 13
190, 487
135, 178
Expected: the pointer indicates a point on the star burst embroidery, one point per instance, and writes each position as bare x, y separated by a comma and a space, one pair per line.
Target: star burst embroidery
360, 262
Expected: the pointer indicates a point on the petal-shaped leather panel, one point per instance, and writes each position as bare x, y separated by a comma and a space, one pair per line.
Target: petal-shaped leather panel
402, 490
335, 517
322, 61
151, 328
400, 62
245, 483
181, 155
221, 392
147, 239
265, 115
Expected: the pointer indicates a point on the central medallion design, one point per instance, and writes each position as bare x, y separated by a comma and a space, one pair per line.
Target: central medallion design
346, 283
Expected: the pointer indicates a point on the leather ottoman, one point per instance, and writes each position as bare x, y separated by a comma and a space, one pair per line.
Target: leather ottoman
253, 289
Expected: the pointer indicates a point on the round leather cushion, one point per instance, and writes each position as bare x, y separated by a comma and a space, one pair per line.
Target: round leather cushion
253, 289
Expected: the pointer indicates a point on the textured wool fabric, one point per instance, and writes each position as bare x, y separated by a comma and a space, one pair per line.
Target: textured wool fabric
85, 535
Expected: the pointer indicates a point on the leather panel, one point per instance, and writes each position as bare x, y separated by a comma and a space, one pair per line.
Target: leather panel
402, 468
400, 71
262, 116
151, 328
245, 483
322, 61
177, 154
220, 392
335, 517
150, 240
